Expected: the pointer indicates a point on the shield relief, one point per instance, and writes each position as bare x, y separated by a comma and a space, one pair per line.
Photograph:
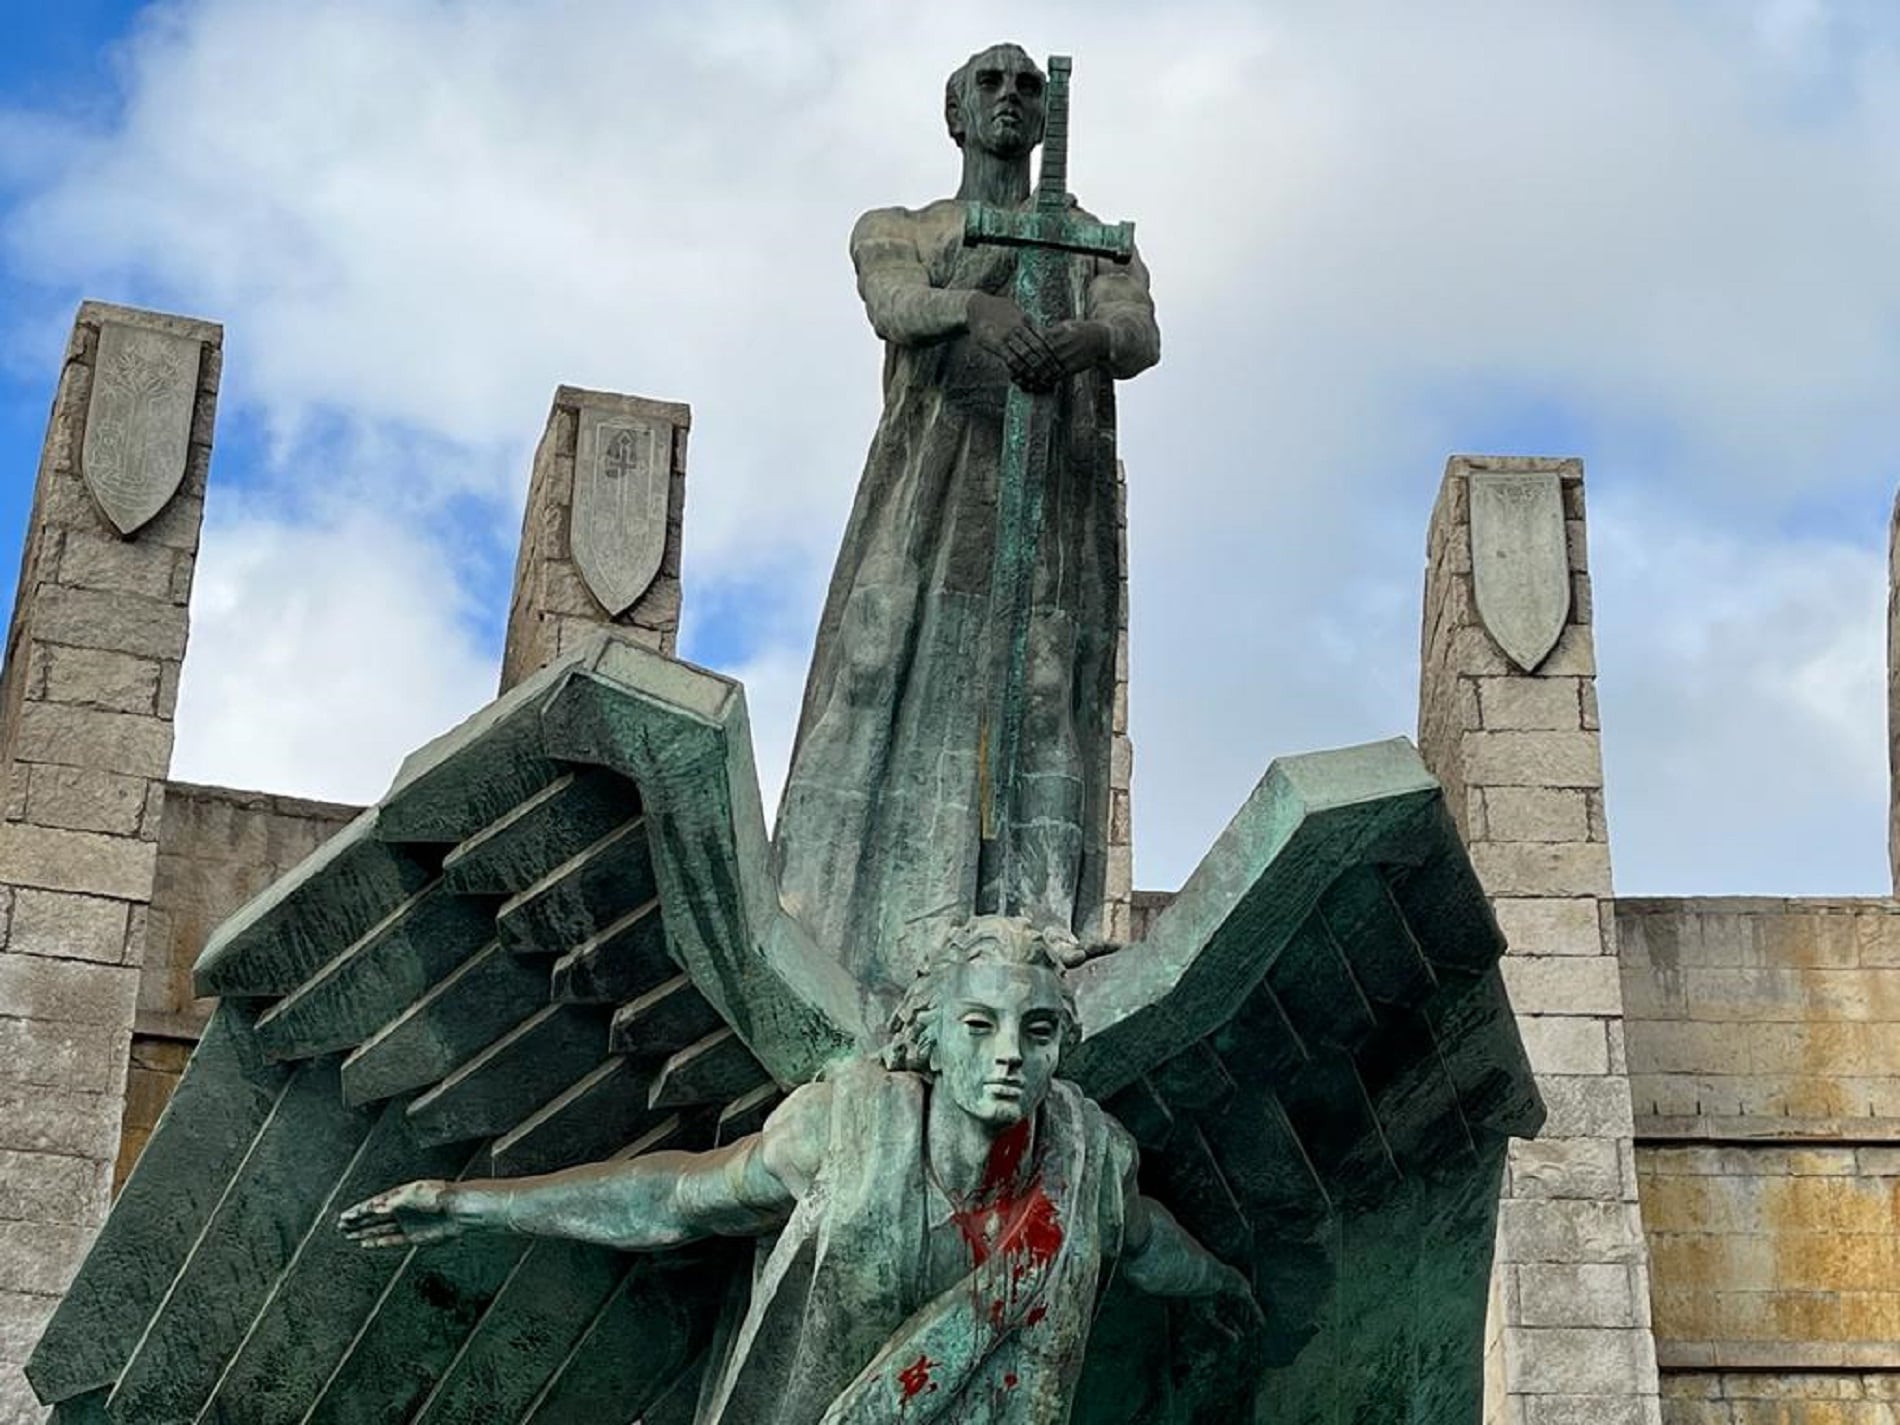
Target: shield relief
1520, 567
138, 421
622, 480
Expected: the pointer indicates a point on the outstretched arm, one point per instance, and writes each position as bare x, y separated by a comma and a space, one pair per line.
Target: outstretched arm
648, 1203
1161, 1258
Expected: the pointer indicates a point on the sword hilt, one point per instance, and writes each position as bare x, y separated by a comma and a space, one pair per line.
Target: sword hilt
1052, 179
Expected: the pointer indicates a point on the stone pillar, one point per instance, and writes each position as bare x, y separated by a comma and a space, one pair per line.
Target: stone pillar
613, 469
1118, 923
86, 699
1519, 755
1893, 693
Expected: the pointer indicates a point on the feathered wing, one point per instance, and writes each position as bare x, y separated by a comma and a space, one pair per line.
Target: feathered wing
551, 942
1315, 1051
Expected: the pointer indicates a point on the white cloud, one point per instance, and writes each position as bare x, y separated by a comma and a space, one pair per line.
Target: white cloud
320, 652
1379, 233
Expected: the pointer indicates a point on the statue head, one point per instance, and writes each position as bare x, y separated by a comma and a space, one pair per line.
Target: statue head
988, 1019
994, 99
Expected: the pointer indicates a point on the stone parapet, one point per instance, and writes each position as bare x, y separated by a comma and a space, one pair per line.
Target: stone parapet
87, 693
1519, 755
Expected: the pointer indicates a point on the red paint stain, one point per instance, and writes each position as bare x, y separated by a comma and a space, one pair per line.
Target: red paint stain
914, 1379
1009, 1381
1036, 1313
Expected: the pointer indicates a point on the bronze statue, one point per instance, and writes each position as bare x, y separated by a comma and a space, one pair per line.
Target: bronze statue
896, 819
940, 1222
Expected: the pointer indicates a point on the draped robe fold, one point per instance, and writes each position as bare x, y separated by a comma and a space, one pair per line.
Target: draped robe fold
877, 843
843, 1327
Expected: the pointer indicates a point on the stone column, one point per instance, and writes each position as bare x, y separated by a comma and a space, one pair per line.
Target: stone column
1118, 920
86, 699
630, 491
1893, 693
1519, 755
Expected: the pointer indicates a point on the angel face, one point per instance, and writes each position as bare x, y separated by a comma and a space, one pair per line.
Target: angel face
998, 1040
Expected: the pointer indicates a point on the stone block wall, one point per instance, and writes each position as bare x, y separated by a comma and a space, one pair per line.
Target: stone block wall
1764, 1051
552, 608
1519, 756
216, 849
86, 699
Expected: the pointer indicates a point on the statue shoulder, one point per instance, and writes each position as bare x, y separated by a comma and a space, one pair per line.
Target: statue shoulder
913, 225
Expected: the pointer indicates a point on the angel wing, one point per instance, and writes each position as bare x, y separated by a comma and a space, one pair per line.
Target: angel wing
554, 939
1314, 1049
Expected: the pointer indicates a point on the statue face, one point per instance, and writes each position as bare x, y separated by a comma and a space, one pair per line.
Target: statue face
1003, 103
998, 1039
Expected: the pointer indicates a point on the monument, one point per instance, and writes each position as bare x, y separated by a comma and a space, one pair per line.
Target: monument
870, 1122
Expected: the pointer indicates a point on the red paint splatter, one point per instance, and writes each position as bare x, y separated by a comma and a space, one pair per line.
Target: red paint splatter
914, 1379
1009, 1381
996, 1315
1006, 1158
1036, 1313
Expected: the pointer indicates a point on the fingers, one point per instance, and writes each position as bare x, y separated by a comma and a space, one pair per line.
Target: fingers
1032, 365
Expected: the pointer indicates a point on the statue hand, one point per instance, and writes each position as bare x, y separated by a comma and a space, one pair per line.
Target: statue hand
412, 1215
998, 325
1078, 345
1237, 1310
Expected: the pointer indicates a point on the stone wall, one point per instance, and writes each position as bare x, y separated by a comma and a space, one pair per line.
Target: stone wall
1118, 921
1518, 753
1763, 1018
553, 608
216, 849
1764, 1051
86, 700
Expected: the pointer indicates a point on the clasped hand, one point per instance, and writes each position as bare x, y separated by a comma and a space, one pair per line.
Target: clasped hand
1037, 360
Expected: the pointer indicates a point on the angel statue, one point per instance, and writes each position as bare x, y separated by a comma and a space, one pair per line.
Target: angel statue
696, 1128
943, 1219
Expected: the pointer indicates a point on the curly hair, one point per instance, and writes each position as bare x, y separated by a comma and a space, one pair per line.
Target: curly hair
957, 86
999, 939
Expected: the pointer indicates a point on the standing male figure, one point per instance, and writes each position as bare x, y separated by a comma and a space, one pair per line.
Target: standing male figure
944, 1219
881, 824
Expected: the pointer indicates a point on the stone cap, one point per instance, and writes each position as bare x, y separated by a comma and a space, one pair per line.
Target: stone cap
194, 328
675, 413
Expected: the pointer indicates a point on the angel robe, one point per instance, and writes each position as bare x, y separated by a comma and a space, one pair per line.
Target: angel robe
878, 834
846, 1323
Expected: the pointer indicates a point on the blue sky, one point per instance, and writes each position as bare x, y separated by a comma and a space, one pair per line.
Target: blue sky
1656, 236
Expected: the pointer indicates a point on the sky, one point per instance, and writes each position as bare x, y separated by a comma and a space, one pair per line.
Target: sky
1661, 236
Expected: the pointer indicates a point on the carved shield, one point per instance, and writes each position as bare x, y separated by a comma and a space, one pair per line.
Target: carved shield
622, 475
138, 421
1520, 570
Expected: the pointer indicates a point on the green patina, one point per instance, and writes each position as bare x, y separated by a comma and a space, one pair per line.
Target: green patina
561, 945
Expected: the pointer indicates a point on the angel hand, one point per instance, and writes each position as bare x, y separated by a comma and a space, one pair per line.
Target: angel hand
412, 1215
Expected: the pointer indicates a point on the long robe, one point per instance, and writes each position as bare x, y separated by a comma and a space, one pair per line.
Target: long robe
878, 832
845, 1325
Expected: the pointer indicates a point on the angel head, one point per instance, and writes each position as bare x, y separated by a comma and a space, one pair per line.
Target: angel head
988, 1019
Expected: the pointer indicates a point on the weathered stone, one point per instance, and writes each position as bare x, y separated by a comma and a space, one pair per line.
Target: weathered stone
1585, 1106
1530, 868
1520, 570
1549, 925
139, 420
82, 737
1547, 814
1530, 704
94, 560
1562, 1044
83, 861
68, 926
1577, 1294
37, 1119
97, 618
100, 678
1551, 1167
84, 799
56, 1054
1532, 759
48, 1187
67, 991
